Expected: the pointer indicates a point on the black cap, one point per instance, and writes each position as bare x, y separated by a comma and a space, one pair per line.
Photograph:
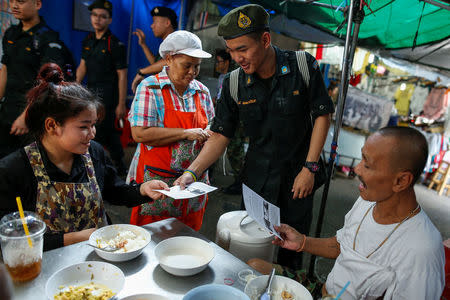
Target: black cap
162, 11
105, 4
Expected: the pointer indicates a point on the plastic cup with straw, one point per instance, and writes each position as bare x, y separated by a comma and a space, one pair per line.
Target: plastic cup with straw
24, 222
343, 290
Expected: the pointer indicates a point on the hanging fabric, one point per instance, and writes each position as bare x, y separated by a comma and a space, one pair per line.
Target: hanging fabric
436, 104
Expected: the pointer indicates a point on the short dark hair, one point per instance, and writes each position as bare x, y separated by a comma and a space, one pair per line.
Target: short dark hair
411, 153
223, 54
55, 98
256, 35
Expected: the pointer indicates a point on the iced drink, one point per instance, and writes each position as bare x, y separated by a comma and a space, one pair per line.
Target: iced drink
22, 261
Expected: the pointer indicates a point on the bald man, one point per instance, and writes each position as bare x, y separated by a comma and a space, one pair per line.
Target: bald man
388, 247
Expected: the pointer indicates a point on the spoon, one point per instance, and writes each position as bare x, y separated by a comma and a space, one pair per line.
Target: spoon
108, 248
267, 293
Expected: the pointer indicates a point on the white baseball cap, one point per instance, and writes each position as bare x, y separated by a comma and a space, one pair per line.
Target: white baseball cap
182, 42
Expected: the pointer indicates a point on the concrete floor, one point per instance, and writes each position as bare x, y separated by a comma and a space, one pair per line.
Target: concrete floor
342, 194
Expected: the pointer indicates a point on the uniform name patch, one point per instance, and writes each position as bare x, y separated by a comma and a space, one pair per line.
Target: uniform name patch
55, 45
10, 42
296, 92
251, 101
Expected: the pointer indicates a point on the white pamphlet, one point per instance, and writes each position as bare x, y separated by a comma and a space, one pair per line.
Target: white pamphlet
193, 190
263, 212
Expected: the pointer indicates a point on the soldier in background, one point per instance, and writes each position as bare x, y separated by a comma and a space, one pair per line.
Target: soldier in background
26, 47
164, 23
104, 61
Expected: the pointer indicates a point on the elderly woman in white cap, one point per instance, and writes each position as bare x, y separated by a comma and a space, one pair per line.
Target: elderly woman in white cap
169, 116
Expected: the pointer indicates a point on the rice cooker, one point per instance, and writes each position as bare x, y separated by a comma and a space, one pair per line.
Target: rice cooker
243, 237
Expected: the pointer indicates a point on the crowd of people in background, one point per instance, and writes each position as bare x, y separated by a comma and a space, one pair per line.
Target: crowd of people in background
54, 132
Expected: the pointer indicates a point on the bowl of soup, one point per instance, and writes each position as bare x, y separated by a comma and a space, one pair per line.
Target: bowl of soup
184, 255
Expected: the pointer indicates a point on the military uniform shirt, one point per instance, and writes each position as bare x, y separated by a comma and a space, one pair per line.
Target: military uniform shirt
24, 52
103, 58
278, 117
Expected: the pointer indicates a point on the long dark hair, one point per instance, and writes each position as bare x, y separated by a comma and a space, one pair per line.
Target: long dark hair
55, 98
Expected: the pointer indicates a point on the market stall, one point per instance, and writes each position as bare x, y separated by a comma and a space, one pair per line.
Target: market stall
143, 274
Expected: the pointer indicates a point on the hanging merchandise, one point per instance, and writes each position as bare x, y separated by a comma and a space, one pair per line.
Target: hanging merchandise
384, 87
402, 97
437, 147
358, 60
319, 52
333, 55
436, 104
418, 99
355, 79
366, 111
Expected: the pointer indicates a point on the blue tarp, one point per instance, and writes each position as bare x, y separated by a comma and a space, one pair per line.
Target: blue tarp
59, 16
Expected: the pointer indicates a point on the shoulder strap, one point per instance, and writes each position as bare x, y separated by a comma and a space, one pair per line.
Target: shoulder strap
234, 84
301, 63
303, 66
37, 37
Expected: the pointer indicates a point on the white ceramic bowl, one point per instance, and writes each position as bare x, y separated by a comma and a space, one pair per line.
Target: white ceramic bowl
256, 286
109, 232
145, 297
216, 292
184, 255
83, 273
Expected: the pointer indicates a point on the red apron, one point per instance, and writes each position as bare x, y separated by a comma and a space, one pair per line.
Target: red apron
167, 163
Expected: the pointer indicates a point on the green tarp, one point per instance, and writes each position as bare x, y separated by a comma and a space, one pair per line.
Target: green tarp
392, 25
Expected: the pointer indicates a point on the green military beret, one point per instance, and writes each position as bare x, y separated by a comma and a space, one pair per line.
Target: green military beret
243, 20
105, 4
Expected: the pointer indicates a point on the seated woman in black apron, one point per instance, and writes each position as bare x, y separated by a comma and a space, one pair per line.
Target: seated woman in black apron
64, 176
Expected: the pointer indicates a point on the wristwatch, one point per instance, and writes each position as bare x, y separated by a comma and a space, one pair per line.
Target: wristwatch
140, 73
312, 166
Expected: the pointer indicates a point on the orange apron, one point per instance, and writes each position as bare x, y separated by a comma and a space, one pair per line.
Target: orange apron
167, 163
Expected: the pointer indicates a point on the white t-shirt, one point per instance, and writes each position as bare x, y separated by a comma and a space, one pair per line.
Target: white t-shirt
410, 264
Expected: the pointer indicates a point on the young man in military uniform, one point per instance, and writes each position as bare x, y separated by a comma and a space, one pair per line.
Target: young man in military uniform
285, 116
164, 23
26, 47
103, 60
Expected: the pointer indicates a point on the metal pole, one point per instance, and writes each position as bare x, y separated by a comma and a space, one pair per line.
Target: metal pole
180, 17
337, 126
358, 17
130, 32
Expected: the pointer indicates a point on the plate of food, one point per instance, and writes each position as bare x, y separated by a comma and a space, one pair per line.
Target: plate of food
91, 280
283, 288
129, 240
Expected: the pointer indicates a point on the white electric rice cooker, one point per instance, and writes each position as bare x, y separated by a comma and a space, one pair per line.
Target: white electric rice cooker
243, 237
